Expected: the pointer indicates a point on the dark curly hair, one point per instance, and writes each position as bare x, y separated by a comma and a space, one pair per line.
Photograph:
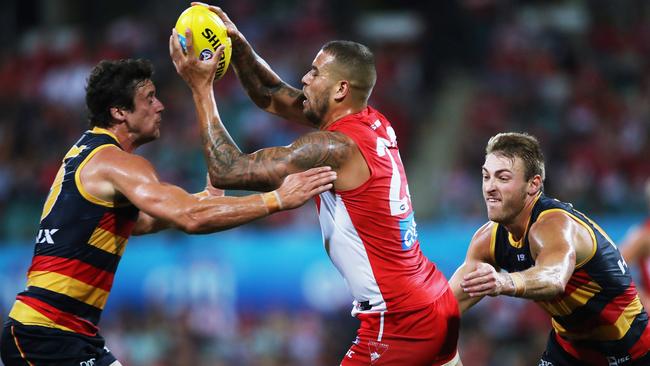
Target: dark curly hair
112, 83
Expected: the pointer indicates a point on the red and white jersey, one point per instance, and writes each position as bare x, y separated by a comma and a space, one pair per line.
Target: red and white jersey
370, 232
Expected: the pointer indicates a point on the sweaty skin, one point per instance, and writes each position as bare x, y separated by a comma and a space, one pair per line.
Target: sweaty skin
556, 241
264, 169
116, 175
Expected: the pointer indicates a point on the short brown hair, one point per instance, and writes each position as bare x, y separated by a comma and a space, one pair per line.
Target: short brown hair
519, 145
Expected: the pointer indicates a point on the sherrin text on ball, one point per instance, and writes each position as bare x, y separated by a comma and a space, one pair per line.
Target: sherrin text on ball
208, 33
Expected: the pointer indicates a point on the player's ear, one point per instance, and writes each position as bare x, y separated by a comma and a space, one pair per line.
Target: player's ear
535, 185
117, 113
342, 90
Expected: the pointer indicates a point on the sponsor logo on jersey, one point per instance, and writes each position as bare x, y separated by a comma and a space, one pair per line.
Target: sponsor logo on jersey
45, 236
618, 361
408, 231
90, 362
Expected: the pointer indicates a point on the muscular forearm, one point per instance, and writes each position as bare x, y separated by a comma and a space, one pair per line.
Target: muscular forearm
148, 225
267, 90
221, 213
254, 73
228, 167
464, 300
534, 283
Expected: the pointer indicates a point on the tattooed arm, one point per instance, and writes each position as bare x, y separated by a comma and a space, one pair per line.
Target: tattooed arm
263, 170
267, 90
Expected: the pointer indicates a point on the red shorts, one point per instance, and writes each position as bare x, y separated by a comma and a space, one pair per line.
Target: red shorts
422, 337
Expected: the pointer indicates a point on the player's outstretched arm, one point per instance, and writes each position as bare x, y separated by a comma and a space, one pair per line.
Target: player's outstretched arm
147, 224
553, 239
265, 169
165, 205
265, 88
478, 254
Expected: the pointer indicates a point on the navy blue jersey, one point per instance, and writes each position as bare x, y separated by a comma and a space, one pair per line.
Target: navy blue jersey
78, 247
600, 307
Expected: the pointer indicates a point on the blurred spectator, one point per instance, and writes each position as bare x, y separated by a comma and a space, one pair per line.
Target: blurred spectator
574, 73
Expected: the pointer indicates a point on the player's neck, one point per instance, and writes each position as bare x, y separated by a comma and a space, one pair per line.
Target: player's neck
519, 225
124, 137
336, 113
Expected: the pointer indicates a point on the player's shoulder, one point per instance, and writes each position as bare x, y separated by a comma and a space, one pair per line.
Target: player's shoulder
328, 139
480, 247
552, 221
484, 233
112, 159
482, 238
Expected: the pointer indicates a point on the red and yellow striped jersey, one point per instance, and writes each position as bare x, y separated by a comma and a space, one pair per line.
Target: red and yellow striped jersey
600, 308
78, 247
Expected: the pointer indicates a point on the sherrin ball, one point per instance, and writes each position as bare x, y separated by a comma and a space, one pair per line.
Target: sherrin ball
208, 33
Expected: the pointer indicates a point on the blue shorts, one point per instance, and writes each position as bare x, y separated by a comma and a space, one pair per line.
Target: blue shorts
29, 345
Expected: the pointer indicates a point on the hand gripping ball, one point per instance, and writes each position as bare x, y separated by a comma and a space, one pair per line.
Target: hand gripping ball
208, 33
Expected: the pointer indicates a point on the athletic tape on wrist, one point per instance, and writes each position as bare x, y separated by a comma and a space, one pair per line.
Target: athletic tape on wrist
272, 201
519, 283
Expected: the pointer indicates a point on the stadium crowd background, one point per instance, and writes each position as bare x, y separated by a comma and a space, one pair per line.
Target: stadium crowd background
450, 74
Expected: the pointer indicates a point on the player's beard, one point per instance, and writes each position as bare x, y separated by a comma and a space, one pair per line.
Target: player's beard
317, 107
510, 208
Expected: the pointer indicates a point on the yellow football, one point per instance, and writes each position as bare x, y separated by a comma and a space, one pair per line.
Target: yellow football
208, 33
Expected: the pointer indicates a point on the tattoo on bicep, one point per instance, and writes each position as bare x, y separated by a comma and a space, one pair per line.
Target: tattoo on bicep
267, 168
319, 149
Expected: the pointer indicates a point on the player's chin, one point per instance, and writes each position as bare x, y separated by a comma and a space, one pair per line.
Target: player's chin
494, 215
155, 133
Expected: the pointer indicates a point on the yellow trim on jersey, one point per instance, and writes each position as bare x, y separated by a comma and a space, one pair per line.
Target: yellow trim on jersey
27, 315
55, 190
574, 300
584, 224
611, 332
68, 286
520, 243
493, 242
77, 179
99, 130
600, 230
107, 241
18, 347
74, 152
